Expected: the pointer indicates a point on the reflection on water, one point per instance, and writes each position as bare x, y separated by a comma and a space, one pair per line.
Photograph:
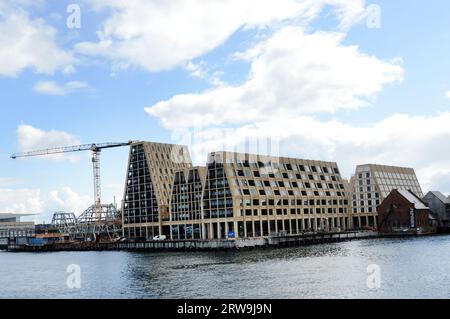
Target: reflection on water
410, 268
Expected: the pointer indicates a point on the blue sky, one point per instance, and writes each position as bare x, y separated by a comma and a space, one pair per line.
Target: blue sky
316, 76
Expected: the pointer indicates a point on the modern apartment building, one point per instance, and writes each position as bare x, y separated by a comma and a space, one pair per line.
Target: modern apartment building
252, 196
149, 184
186, 212
235, 196
371, 184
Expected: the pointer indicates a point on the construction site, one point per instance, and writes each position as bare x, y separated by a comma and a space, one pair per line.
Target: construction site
98, 223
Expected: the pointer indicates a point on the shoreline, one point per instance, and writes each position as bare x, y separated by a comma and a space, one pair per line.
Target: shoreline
201, 245
209, 245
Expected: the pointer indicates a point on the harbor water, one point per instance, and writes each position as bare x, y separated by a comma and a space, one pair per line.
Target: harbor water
377, 268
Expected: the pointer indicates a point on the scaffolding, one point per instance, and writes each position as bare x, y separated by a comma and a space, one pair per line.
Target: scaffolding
99, 221
65, 223
102, 222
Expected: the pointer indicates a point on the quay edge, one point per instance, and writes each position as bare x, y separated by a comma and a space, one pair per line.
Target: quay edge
200, 245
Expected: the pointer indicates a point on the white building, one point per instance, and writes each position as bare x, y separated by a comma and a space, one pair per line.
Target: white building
12, 227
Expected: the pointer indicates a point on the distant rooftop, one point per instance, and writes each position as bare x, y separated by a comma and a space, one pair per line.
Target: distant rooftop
13, 215
441, 196
383, 167
412, 199
232, 157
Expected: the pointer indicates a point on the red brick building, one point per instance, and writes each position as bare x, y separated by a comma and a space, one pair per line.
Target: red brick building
403, 212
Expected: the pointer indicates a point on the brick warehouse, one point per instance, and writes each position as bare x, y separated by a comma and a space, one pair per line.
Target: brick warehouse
402, 211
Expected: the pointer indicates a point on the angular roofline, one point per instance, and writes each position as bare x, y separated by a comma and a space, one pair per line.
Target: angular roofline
400, 191
384, 165
159, 144
444, 199
265, 156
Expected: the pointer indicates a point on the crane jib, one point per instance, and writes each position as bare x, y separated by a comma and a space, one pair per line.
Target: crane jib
70, 149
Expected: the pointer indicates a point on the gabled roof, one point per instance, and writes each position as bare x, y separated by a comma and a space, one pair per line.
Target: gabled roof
441, 197
413, 199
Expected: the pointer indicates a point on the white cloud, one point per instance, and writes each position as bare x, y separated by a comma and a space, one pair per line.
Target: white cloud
294, 76
31, 139
160, 35
435, 177
292, 73
8, 181
201, 70
447, 94
417, 142
196, 69
28, 44
20, 201
68, 201
348, 12
34, 201
53, 88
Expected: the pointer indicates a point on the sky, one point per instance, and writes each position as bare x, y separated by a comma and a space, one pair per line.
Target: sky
349, 81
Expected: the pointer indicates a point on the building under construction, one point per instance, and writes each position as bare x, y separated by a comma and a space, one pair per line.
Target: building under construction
99, 221
92, 225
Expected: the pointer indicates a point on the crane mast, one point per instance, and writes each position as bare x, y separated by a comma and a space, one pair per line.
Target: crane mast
97, 182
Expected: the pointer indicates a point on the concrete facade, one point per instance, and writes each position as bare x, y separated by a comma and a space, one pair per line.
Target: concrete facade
371, 184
